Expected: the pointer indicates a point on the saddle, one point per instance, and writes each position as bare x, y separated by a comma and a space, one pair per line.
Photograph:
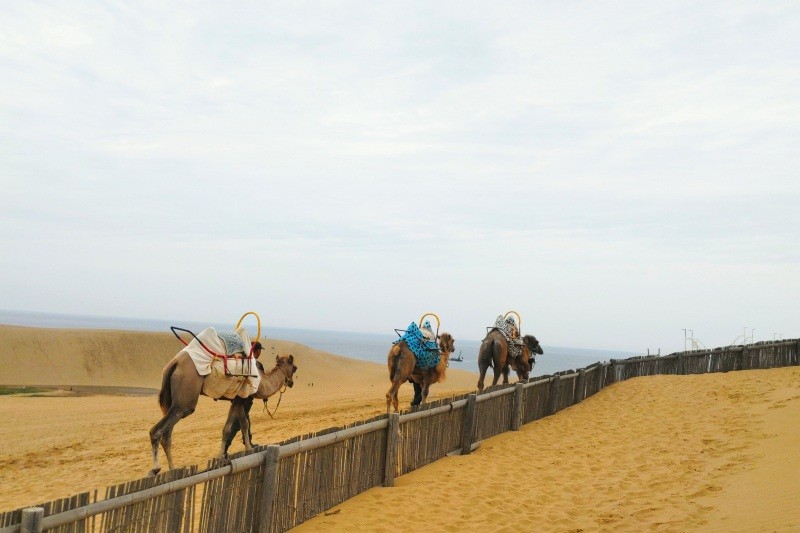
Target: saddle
422, 343
508, 328
236, 350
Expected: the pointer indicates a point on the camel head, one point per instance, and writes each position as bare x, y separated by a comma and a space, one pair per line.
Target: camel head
446, 344
286, 365
532, 344
523, 364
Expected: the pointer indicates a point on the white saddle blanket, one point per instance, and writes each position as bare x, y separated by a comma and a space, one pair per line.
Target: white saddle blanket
216, 383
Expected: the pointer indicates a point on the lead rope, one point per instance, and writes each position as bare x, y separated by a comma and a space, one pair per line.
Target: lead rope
280, 396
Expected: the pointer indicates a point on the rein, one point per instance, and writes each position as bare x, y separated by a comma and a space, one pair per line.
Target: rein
280, 395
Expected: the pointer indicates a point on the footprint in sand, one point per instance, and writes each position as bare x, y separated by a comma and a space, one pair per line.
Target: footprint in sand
708, 489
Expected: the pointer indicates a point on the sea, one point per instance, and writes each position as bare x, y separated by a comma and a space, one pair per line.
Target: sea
364, 346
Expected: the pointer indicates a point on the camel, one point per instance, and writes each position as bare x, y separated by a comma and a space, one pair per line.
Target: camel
494, 352
402, 365
181, 387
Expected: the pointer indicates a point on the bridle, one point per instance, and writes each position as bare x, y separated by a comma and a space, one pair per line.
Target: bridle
286, 381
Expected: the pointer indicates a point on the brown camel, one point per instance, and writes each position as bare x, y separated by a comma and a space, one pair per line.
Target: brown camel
402, 368
494, 352
181, 386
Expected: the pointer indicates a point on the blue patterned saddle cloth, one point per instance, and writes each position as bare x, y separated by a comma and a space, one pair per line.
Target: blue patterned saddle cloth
426, 351
233, 343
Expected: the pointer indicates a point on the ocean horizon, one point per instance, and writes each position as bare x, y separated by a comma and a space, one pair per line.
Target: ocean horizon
363, 346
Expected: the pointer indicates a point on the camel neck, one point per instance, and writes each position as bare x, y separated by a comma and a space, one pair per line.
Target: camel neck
273, 381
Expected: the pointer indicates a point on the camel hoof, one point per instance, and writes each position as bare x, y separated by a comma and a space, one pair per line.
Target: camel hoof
154, 471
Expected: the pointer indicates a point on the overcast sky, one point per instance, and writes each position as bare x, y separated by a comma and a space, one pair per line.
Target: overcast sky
613, 171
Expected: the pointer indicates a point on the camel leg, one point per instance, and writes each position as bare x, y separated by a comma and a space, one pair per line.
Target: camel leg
162, 433
391, 396
484, 361
506, 370
166, 443
398, 374
237, 425
234, 414
418, 397
496, 349
425, 388
244, 421
496, 376
483, 368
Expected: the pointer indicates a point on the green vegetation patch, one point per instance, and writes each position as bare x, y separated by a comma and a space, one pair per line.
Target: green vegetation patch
6, 390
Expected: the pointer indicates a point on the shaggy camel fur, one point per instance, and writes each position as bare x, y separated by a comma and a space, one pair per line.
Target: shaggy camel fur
181, 387
402, 367
494, 352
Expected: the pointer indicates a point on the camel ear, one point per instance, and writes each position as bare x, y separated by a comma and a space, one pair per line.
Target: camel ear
291, 359
277, 359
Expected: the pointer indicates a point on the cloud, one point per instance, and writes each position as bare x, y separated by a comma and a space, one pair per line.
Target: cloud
600, 167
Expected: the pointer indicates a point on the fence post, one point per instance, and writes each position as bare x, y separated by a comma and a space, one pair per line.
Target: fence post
553, 407
797, 353
390, 462
269, 487
681, 364
469, 424
742, 358
516, 413
613, 378
601, 376
580, 386
32, 520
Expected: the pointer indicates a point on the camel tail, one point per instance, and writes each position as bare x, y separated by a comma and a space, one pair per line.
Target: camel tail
394, 357
165, 394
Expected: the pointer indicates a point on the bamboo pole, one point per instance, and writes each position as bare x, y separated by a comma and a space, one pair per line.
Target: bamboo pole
390, 460
32, 520
516, 413
554, 386
419, 415
494, 394
530, 384
269, 487
613, 378
469, 425
580, 393
331, 438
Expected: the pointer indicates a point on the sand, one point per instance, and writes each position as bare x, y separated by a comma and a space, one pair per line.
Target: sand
714, 452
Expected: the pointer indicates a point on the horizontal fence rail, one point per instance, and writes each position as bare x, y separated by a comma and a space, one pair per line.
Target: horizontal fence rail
274, 488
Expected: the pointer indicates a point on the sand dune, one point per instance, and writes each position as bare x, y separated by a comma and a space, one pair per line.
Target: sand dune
665, 453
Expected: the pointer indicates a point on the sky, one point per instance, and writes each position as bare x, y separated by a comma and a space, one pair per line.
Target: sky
621, 174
